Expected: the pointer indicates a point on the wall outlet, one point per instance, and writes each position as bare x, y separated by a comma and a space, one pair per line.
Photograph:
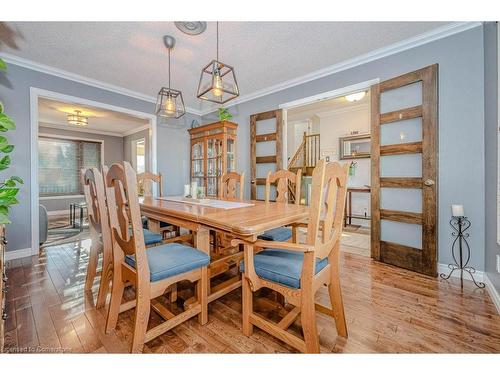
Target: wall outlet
498, 263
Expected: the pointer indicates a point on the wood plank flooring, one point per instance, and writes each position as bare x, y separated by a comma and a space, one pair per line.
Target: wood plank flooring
389, 310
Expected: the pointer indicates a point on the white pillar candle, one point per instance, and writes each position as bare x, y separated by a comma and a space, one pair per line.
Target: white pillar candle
457, 210
194, 190
187, 190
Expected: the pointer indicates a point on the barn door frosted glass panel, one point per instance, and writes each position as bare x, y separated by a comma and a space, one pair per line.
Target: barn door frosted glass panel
406, 131
401, 165
401, 233
401, 98
409, 200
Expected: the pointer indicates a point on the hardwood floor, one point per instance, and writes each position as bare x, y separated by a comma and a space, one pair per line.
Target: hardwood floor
389, 310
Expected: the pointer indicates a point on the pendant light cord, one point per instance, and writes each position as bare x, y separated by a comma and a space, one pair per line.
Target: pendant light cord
217, 40
169, 68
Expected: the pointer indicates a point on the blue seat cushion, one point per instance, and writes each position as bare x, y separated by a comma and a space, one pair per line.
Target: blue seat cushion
282, 266
150, 238
277, 234
171, 259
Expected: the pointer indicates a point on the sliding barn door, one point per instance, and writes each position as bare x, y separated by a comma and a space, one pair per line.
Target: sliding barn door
404, 171
265, 149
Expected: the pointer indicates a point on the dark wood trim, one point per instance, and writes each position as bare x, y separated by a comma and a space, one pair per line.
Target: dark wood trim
268, 137
265, 159
401, 182
401, 216
401, 115
402, 148
375, 171
401, 256
430, 169
402, 80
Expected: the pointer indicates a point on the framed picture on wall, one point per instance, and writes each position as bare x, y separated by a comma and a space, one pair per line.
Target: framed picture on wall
355, 146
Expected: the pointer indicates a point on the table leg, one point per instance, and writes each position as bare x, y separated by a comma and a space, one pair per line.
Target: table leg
153, 225
350, 208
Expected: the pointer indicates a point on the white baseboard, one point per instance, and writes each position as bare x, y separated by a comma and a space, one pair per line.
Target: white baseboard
16, 254
495, 296
443, 268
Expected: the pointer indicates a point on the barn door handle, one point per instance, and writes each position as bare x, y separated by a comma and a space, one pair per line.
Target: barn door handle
429, 182
252, 182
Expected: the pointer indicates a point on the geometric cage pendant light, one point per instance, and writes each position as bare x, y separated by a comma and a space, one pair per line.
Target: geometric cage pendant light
217, 81
169, 102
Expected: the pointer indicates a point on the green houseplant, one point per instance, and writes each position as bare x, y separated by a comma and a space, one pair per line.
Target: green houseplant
10, 186
224, 114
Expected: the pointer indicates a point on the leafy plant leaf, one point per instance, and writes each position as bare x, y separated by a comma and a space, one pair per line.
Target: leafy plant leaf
3, 65
6, 148
6, 122
3, 140
4, 210
4, 219
4, 162
17, 179
1, 107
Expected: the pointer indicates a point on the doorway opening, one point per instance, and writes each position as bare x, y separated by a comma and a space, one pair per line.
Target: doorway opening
336, 127
70, 134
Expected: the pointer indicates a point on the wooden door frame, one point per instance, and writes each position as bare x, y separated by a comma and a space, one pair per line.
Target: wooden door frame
425, 260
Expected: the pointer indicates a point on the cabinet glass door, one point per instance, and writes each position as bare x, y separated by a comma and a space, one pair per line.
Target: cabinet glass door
230, 155
197, 172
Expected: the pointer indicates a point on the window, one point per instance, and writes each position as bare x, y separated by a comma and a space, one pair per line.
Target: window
60, 162
139, 155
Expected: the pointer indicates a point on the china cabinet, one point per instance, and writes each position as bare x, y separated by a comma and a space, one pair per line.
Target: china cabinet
213, 153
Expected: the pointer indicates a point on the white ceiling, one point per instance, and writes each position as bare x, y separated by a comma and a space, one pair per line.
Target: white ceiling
54, 113
329, 107
132, 55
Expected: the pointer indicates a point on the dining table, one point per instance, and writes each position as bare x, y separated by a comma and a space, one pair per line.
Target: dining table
241, 219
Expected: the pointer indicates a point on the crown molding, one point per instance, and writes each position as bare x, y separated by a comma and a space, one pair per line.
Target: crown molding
418, 40
135, 130
64, 126
42, 68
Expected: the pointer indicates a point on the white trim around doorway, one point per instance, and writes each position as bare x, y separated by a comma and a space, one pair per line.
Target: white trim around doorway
35, 94
314, 99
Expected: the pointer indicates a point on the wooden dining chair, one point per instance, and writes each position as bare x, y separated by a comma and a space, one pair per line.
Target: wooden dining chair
298, 270
282, 179
145, 183
100, 233
228, 185
151, 272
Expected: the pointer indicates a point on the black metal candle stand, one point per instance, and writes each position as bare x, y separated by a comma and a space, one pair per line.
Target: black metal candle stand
460, 225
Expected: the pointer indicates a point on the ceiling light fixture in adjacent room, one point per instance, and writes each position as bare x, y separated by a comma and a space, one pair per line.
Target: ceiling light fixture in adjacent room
355, 97
217, 81
169, 102
77, 119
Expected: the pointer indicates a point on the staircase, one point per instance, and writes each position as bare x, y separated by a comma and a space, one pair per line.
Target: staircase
305, 158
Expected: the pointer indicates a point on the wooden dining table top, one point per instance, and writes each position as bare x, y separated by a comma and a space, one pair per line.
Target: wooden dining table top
247, 221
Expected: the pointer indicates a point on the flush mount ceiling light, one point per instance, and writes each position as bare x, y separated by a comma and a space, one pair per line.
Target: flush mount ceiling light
217, 81
169, 103
77, 119
191, 27
356, 97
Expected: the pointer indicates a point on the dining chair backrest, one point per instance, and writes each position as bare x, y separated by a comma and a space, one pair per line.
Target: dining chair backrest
328, 194
145, 182
283, 178
228, 185
125, 216
95, 197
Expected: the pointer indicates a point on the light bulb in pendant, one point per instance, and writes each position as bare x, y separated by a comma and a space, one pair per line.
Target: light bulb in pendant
217, 90
170, 105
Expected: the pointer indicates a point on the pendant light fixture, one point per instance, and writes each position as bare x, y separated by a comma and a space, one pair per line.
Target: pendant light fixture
217, 81
169, 103
77, 119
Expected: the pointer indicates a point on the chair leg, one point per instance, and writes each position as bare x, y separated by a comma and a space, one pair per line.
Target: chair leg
308, 320
247, 307
142, 310
336, 294
118, 286
202, 294
92, 266
173, 293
